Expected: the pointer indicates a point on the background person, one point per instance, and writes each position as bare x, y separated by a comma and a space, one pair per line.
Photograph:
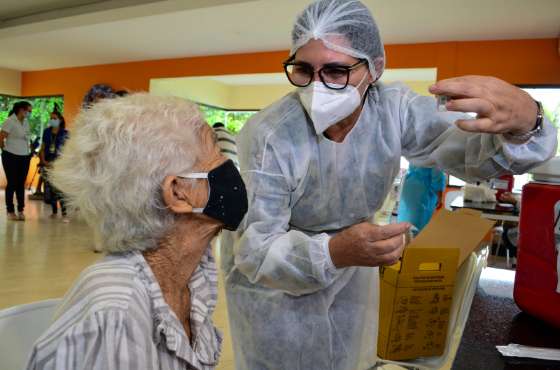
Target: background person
302, 279
122, 93
96, 93
15, 137
38, 194
421, 195
54, 137
226, 142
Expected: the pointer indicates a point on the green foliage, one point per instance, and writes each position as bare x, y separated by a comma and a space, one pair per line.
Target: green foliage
550, 99
232, 120
40, 115
553, 114
212, 115
236, 120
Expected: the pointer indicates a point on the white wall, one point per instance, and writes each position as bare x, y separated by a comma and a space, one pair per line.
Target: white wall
256, 91
10, 82
227, 96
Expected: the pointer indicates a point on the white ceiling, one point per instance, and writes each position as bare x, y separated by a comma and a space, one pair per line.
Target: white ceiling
18, 12
180, 28
12, 9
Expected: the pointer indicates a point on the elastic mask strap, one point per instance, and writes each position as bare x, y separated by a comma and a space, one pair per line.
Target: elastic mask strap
195, 175
360, 83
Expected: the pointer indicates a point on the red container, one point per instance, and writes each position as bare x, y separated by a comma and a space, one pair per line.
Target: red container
504, 184
536, 277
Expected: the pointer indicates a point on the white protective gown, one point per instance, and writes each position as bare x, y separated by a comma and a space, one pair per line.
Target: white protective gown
289, 307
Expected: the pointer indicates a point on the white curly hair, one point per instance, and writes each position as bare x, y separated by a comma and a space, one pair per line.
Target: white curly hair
114, 163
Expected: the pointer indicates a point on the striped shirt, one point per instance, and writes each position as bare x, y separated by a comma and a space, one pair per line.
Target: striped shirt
115, 317
227, 145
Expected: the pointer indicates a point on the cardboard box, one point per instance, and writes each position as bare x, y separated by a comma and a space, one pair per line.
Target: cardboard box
416, 293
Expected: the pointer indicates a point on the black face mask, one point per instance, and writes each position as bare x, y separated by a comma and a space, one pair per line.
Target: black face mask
227, 200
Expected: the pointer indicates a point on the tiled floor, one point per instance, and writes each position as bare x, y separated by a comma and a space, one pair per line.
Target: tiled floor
41, 257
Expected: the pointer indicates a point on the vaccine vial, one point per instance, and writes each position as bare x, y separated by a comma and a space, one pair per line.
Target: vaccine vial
441, 101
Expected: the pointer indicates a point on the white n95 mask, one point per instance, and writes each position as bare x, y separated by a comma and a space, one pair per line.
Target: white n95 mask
327, 106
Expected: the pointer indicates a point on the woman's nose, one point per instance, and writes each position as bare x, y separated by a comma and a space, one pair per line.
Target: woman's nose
316, 76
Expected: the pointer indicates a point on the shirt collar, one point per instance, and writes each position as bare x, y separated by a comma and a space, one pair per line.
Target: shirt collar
167, 327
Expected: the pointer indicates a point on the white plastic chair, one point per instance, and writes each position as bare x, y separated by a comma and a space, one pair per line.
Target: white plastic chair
20, 327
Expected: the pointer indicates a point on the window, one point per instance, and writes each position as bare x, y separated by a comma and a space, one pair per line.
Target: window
40, 115
549, 96
233, 120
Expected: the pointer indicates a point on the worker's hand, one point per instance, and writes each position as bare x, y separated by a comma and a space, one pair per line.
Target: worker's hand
500, 107
367, 244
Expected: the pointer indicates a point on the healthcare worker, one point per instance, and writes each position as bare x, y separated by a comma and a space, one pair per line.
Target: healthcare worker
302, 280
421, 194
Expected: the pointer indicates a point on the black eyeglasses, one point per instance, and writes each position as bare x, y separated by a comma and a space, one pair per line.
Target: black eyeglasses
334, 76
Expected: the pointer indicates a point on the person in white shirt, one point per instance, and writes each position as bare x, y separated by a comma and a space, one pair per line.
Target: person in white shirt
16, 154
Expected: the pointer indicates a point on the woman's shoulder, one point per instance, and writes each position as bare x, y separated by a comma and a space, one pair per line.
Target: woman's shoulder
8, 122
106, 296
97, 330
285, 114
112, 283
280, 123
393, 94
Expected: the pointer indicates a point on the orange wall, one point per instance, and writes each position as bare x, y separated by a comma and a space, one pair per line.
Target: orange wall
516, 61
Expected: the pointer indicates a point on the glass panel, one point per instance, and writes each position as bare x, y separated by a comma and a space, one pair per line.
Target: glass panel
550, 99
233, 120
40, 115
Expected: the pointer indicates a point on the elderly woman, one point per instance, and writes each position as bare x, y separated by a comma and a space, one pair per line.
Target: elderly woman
147, 174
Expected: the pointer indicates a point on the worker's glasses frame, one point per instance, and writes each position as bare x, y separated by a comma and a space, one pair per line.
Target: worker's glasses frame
334, 76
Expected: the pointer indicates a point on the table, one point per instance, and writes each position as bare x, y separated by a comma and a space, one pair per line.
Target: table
500, 217
496, 320
492, 211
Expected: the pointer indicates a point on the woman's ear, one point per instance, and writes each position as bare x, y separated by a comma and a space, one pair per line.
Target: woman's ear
378, 64
175, 195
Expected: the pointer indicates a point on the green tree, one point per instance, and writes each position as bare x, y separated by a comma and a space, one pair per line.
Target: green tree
236, 120
232, 120
553, 114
